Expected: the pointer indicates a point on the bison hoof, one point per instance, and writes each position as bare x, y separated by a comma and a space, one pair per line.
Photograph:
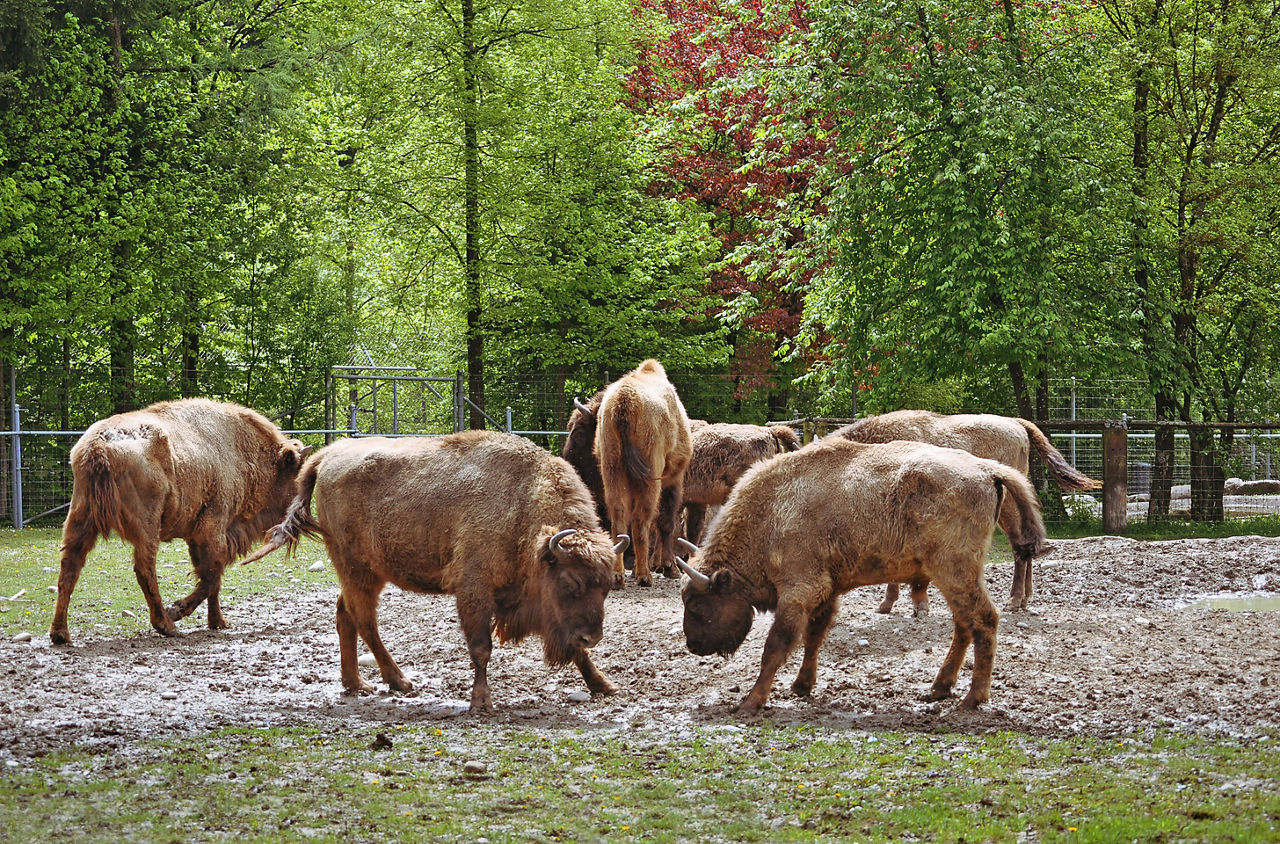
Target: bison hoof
400, 685
920, 612
169, 630
801, 688
619, 581
603, 687
219, 624
357, 689
938, 693
60, 637
748, 707
1015, 606
885, 608
970, 703
647, 580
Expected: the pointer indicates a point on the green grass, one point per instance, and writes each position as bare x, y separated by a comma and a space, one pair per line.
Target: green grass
107, 587
735, 784
1172, 529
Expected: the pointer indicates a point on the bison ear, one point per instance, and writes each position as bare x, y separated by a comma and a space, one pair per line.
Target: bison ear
721, 578
292, 454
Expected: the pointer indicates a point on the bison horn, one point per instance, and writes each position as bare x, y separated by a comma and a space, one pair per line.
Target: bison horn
577, 402
555, 540
686, 545
624, 541
699, 580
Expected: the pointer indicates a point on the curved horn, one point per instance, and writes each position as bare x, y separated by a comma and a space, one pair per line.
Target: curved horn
577, 402
624, 541
555, 540
686, 545
699, 580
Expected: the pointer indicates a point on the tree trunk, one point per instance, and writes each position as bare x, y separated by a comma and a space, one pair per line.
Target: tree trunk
1206, 478
471, 213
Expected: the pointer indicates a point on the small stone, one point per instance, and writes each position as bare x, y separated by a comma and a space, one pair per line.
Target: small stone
474, 767
862, 643
48, 569
53, 589
168, 695
127, 614
367, 660
579, 696
22, 637
4, 607
317, 566
1023, 625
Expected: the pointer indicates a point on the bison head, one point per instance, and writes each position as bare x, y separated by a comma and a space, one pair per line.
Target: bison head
576, 568
717, 618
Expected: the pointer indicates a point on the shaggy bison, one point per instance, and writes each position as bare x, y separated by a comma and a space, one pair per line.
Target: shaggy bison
485, 516
802, 529
579, 450
214, 474
721, 453
643, 448
1005, 439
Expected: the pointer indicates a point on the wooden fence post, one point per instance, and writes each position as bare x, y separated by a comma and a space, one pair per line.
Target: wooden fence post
1115, 477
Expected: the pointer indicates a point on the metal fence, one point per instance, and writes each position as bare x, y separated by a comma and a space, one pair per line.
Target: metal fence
35, 474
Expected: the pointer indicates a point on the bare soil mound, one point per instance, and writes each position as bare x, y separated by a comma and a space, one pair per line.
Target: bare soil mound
1113, 646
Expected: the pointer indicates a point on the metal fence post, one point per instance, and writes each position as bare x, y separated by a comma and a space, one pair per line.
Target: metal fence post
1115, 477
508, 419
17, 466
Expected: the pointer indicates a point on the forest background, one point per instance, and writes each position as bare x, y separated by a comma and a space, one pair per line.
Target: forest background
817, 206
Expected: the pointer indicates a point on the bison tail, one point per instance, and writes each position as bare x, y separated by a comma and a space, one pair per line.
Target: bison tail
298, 521
1066, 475
95, 500
633, 459
1021, 521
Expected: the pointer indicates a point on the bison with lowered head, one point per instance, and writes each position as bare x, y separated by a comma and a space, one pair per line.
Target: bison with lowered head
722, 452
214, 474
579, 450
1005, 439
488, 517
643, 448
802, 529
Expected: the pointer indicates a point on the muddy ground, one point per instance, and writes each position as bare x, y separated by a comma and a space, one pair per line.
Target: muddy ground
1110, 648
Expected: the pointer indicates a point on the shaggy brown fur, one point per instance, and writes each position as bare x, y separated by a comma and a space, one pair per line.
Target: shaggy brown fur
470, 515
216, 475
1006, 439
801, 529
721, 453
579, 450
643, 448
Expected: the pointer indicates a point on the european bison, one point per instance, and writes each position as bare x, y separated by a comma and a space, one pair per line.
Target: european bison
214, 474
1005, 439
485, 516
643, 447
579, 450
803, 528
722, 452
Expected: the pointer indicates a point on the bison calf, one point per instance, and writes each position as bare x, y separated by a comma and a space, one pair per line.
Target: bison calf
214, 474
803, 528
488, 517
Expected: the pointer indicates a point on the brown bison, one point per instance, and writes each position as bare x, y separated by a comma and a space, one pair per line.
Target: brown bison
214, 474
722, 452
643, 448
485, 516
579, 450
1005, 439
803, 528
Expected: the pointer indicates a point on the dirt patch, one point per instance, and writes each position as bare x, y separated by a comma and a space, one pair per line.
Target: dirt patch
1111, 648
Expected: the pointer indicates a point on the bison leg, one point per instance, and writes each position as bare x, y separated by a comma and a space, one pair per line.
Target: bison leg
778, 645
890, 596
350, 668
476, 618
815, 634
976, 620
984, 623
669, 504
596, 682
77, 542
919, 598
1020, 591
361, 608
144, 569
208, 562
694, 516
642, 538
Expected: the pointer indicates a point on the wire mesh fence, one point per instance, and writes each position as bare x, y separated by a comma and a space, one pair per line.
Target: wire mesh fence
53, 409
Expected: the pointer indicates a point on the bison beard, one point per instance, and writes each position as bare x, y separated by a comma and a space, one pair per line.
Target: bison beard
488, 517
214, 474
803, 528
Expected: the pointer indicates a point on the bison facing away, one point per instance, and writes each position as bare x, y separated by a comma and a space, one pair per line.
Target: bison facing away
214, 474
643, 448
1005, 439
722, 452
488, 517
802, 529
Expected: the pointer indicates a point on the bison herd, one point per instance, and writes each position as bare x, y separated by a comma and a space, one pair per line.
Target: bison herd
531, 543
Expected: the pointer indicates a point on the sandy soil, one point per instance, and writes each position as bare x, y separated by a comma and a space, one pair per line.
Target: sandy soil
1111, 647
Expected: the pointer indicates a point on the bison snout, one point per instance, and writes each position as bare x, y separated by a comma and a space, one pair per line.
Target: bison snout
589, 640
